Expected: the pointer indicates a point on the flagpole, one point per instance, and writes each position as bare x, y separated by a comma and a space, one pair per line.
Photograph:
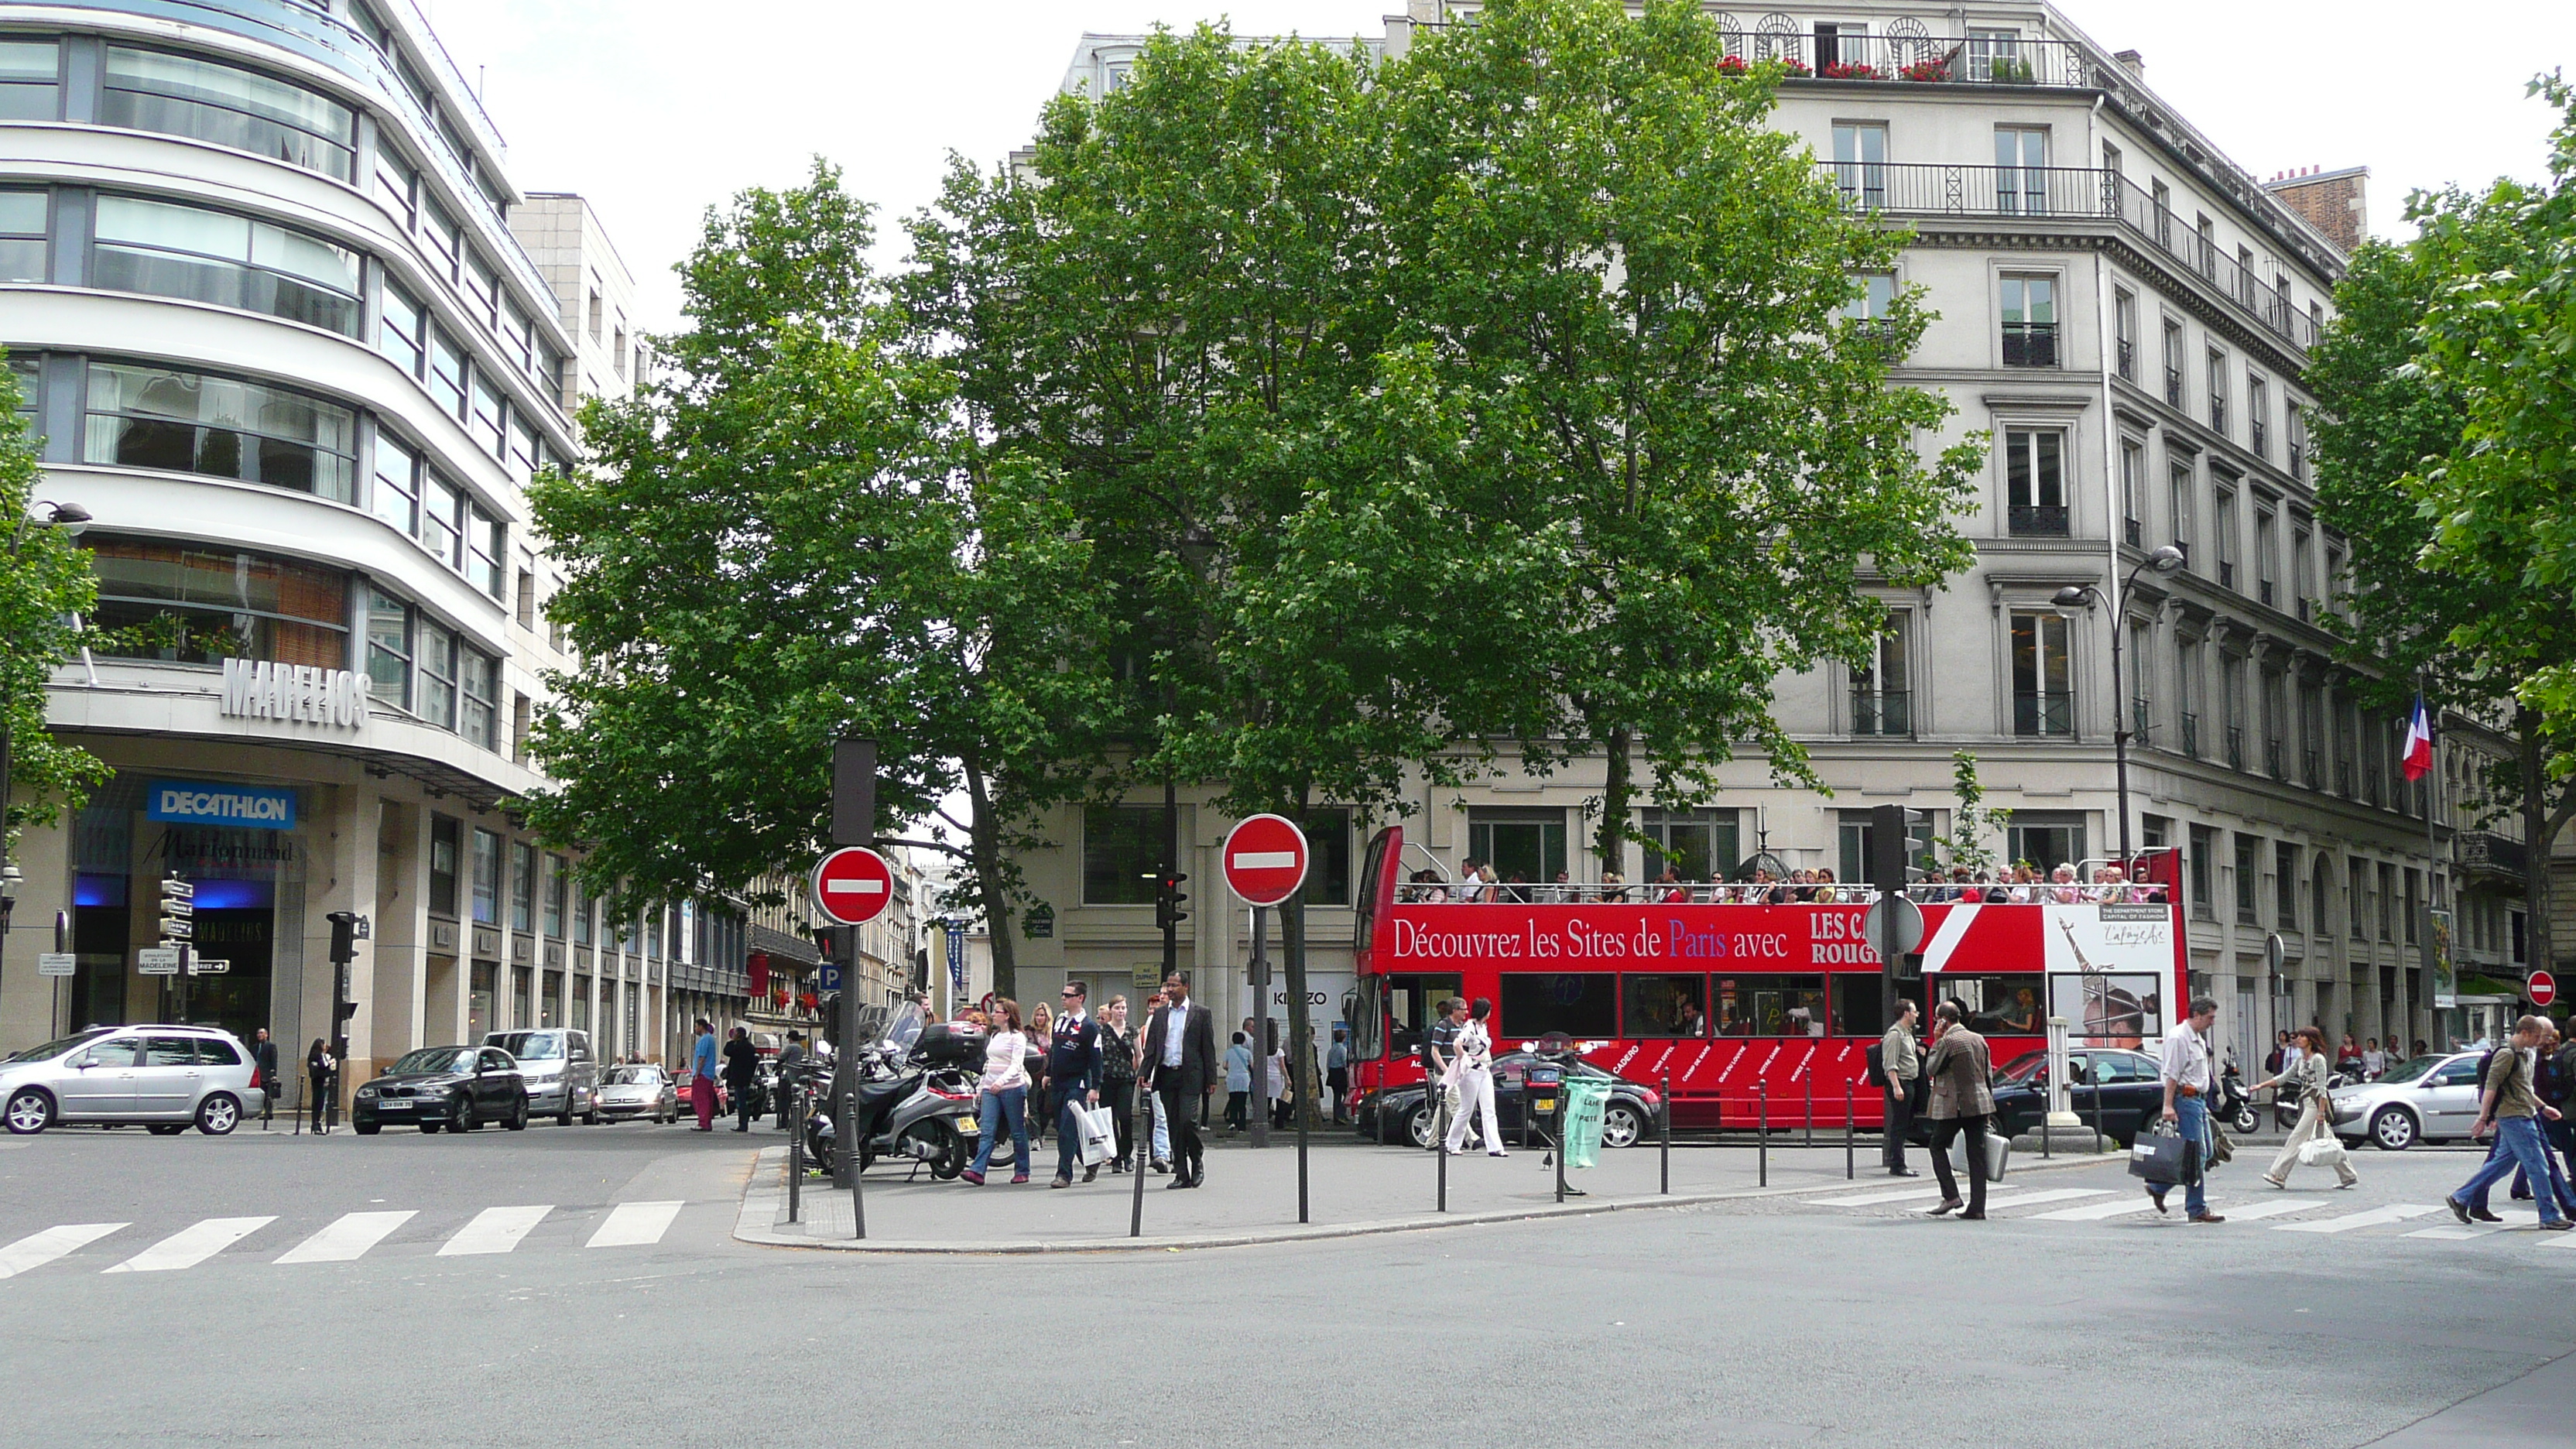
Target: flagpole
2432, 847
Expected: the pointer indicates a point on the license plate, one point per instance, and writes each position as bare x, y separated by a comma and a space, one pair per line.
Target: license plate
969, 1126
1546, 1104
393, 1106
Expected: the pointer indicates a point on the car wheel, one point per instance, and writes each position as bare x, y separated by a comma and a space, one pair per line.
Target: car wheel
564, 1117
1418, 1124
463, 1119
591, 1117
1622, 1125
2394, 1129
519, 1116
218, 1114
368, 1129
30, 1111
165, 1129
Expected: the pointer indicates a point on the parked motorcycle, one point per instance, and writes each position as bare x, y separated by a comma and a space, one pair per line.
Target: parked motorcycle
915, 1106
2235, 1104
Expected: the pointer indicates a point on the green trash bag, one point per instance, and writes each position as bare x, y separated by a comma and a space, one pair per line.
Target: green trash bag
1586, 1098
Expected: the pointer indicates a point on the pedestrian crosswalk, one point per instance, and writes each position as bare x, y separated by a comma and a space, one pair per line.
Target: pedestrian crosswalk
348, 1238
2332, 1216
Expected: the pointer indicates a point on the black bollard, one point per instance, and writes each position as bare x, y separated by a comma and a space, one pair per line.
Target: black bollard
1762, 1129
1668, 1135
1850, 1170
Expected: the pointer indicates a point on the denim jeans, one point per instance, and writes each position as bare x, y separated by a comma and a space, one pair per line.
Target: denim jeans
2518, 1144
1010, 1104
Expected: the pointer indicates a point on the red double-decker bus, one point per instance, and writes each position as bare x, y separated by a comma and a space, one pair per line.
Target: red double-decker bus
1754, 1005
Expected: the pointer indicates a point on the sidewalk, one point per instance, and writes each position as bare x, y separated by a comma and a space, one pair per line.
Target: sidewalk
1251, 1197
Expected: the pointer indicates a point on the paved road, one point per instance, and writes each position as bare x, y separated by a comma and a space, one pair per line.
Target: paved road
615, 1317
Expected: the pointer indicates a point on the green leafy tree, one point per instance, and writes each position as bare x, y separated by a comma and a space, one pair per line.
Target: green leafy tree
788, 538
1636, 288
1972, 822
45, 586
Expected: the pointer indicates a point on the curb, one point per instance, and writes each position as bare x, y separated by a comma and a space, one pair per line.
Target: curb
764, 1196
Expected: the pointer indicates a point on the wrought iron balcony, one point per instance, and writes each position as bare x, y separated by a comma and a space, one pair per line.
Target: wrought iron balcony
2272, 757
2173, 387
2190, 733
2030, 344
2141, 722
2308, 770
2236, 747
2044, 712
1884, 712
2485, 853
2260, 439
2128, 355
2038, 520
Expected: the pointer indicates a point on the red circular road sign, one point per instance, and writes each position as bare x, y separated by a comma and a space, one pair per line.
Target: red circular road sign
2542, 988
853, 885
1265, 859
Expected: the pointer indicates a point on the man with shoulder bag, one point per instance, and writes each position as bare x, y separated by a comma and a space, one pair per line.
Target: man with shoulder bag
1902, 1067
2188, 1081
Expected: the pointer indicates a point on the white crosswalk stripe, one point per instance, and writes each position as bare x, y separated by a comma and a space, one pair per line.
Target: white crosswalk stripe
2094, 1212
494, 1230
2454, 1233
2367, 1218
191, 1245
348, 1239
37, 1249
1865, 1199
2034, 1199
2270, 1207
635, 1224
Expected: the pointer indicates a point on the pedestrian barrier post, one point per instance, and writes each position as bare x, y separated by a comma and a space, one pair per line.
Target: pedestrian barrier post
795, 1150
1668, 1134
2097, 1111
1440, 1149
1809, 1075
1143, 1142
1851, 1171
846, 1142
1762, 1129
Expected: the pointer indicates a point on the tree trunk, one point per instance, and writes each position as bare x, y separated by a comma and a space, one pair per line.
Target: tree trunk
2535, 842
984, 833
1610, 841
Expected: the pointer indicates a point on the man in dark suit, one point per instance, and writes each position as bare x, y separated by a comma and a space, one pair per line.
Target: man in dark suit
1180, 1060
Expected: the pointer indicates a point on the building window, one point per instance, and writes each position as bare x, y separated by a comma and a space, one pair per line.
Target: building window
2043, 689
487, 878
2249, 850
2387, 901
1328, 846
447, 368
2205, 246
1873, 297
2173, 365
1122, 854
1694, 844
147, 90
2034, 472
30, 80
397, 182
2303, 579
523, 886
2124, 323
2160, 197
2021, 170
2142, 671
402, 332
2276, 718
1855, 832
434, 696
1860, 164
2181, 485
485, 545
2258, 415
396, 495
2224, 515
2298, 428
556, 896
442, 520
1520, 844
187, 422
2267, 540
446, 239
524, 449
226, 604
2133, 472
444, 838
617, 352
2231, 682
487, 425
2204, 844
2321, 895
2218, 393
190, 252
482, 289
1881, 695
2045, 839
2030, 321
22, 220
2190, 682
598, 314
2285, 885
581, 912
2414, 917
478, 685
389, 648
2357, 897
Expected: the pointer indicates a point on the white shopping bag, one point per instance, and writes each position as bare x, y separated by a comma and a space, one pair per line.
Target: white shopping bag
1099, 1134
2321, 1152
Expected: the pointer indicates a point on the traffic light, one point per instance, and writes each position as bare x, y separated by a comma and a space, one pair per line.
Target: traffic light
1168, 899
348, 928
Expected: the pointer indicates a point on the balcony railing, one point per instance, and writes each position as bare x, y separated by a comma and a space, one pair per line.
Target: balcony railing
2272, 756
2343, 779
2263, 590
2236, 747
2226, 574
2256, 435
1930, 189
2218, 412
2135, 531
2044, 712
2308, 770
2038, 520
2190, 733
2141, 723
2173, 387
2128, 355
2483, 852
1885, 712
2030, 344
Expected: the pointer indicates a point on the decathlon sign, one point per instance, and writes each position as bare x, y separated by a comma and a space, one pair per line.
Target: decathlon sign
295, 693
190, 802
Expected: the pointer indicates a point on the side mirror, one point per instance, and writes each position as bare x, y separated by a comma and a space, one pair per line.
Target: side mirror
83, 1062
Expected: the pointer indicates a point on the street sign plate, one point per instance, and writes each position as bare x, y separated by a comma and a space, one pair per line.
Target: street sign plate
853, 885
1265, 859
828, 978
157, 961
2542, 988
56, 963
1900, 915
203, 967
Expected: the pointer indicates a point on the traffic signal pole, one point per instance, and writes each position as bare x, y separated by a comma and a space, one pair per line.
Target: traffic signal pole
854, 822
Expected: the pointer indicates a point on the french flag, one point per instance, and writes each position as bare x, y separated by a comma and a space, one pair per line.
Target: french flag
2417, 758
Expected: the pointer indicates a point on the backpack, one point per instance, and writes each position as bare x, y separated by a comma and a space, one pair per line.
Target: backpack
1875, 1054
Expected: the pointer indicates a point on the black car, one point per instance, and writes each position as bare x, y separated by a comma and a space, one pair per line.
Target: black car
456, 1087
1626, 1120
2132, 1091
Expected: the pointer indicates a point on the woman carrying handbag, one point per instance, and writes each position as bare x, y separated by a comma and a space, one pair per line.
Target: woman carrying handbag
2303, 1074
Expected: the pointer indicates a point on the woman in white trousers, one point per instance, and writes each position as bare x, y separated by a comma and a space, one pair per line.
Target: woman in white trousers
2305, 1074
1472, 1073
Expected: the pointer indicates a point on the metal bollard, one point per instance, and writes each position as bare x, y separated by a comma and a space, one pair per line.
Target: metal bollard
795, 1154
2097, 1112
846, 1139
1762, 1129
1668, 1134
1440, 1149
1809, 1078
1141, 1151
1851, 1170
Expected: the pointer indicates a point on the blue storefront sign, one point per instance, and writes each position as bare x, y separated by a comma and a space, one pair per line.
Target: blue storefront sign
196, 802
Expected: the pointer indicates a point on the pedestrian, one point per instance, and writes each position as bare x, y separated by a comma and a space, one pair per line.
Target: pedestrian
1473, 1076
1041, 1033
1337, 1073
2279, 1055
702, 1076
2348, 1056
1957, 1068
2511, 1102
2374, 1062
1002, 1092
791, 1072
1159, 1150
1903, 1067
1439, 1049
1282, 1107
263, 1056
1118, 1079
2186, 1074
741, 1074
1180, 1057
319, 1064
1238, 1081
2305, 1081
1073, 1081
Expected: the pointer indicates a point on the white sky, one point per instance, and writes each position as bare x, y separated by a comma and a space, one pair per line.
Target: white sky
657, 110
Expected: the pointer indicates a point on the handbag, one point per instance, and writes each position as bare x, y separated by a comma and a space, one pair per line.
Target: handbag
2164, 1158
2322, 1152
1099, 1134
1998, 1153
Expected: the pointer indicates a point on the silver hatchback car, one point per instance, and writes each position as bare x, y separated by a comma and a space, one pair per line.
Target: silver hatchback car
2428, 1099
163, 1076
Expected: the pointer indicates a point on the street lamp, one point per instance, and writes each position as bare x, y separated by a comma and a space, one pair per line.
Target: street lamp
2165, 560
71, 518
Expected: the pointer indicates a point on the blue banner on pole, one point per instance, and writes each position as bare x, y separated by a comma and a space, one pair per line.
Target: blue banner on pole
957, 955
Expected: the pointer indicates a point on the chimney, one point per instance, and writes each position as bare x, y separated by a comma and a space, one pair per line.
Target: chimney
2134, 63
2334, 202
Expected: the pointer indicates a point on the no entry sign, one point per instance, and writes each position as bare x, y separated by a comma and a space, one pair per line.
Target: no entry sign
1265, 859
853, 885
2542, 988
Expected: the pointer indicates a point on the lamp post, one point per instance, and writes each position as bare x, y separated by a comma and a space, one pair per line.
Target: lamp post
71, 518
2165, 560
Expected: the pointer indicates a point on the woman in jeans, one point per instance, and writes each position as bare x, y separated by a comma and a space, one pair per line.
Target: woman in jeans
1002, 1094
2303, 1075
1118, 1077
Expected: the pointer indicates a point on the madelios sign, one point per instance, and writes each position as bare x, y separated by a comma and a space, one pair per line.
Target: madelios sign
195, 802
295, 693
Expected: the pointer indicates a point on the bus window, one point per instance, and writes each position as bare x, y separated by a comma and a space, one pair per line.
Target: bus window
1581, 1004
1860, 1007
1662, 1006
1413, 1000
1996, 1005
1769, 1005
